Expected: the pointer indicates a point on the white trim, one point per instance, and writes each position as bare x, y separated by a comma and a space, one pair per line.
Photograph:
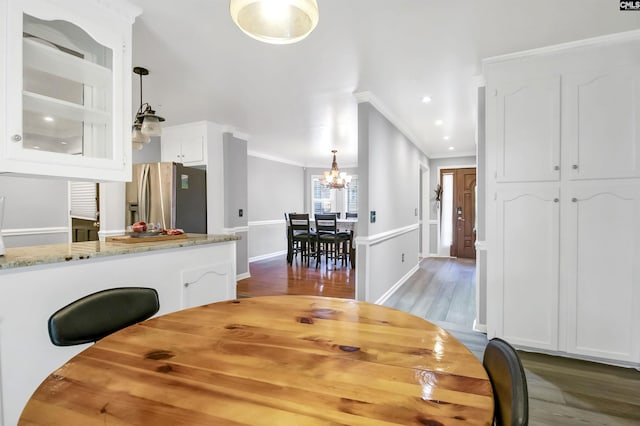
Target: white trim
243, 276
362, 97
433, 221
481, 245
235, 132
235, 230
267, 222
397, 285
102, 235
267, 256
387, 235
34, 231
481, 328
610, 38
452, 154
251, 153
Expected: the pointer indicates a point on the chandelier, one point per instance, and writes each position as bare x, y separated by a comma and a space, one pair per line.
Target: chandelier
334, 178
147, 123
275, 21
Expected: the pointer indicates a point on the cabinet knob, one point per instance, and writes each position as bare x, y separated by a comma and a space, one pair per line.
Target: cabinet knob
574, 200
556, 168
556, 200
16, 138
574, 167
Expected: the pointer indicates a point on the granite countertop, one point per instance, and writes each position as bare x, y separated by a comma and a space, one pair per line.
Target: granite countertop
55, 253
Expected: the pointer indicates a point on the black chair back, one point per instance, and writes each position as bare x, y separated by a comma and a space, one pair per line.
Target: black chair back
299, 223
326, 223
337, 214
351, 215
99, 314
509, 383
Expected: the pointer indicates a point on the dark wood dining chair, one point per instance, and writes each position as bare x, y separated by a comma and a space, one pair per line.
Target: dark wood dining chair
349, 215
334, 244
509, 383
301, 233
97, 315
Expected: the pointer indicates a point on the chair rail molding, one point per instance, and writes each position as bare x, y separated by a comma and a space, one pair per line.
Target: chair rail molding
35, 231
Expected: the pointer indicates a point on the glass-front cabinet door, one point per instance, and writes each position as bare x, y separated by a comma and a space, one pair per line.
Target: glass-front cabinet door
68, 98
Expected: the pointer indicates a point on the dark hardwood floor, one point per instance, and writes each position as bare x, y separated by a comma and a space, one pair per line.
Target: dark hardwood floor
274, 277
562, 391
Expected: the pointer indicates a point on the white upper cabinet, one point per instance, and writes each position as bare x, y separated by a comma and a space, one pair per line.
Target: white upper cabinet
528, 129
602, 113
185, 143
68, 80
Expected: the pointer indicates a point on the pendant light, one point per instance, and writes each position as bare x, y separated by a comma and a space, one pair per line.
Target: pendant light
147, 123
275, 21
334, 178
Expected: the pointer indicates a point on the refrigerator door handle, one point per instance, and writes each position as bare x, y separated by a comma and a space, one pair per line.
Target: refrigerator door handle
143, 194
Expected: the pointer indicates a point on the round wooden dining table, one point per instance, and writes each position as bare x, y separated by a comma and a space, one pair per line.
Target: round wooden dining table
275, 360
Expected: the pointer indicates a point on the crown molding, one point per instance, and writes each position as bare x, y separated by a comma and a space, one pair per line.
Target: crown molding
605, 39
269, 157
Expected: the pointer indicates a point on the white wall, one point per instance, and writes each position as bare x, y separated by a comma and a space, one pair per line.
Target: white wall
36, 211
273, 189
389, 178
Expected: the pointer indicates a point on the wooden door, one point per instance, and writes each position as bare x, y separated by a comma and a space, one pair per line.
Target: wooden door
463, 243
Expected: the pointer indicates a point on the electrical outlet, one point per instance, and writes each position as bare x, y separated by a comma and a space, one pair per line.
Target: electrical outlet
240, 212
416, 212
402, 257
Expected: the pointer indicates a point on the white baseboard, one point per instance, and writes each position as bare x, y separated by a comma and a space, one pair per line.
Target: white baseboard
267, 256
243, 276
397, 285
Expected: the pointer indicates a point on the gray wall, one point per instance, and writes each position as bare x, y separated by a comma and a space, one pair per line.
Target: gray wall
389, 172
36, 211
274, 188
235, 195
150, 152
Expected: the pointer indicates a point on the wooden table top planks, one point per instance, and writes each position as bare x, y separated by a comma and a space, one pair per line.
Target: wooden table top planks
276, 360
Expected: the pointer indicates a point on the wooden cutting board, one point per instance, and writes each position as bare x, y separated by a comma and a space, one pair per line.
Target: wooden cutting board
133, 240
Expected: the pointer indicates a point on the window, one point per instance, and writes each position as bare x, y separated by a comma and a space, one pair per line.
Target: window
320, 197
351, 196
324, 200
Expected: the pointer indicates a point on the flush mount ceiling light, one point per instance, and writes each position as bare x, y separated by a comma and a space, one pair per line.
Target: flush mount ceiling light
275, 21
334, 178
147, 123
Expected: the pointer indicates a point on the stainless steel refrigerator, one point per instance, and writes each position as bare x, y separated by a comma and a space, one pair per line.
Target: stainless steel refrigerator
169, 194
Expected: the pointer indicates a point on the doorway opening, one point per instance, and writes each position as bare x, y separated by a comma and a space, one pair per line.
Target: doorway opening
458, 215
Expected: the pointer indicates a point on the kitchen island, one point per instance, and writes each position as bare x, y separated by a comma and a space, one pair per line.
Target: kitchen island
37, 281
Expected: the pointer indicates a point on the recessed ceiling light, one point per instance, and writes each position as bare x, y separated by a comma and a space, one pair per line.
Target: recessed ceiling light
451, 148
47, 118
438, 122
446, 138
426, 99
36, 147
63, 143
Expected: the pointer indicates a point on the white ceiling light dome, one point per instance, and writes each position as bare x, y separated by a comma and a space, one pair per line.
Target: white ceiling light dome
275, 21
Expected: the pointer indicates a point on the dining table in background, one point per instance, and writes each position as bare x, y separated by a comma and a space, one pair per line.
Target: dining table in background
276, 360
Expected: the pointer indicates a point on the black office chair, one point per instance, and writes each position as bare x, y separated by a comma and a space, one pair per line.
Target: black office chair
509, 383
97, 315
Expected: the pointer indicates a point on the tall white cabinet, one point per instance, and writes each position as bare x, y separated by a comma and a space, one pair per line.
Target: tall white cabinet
563, 188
